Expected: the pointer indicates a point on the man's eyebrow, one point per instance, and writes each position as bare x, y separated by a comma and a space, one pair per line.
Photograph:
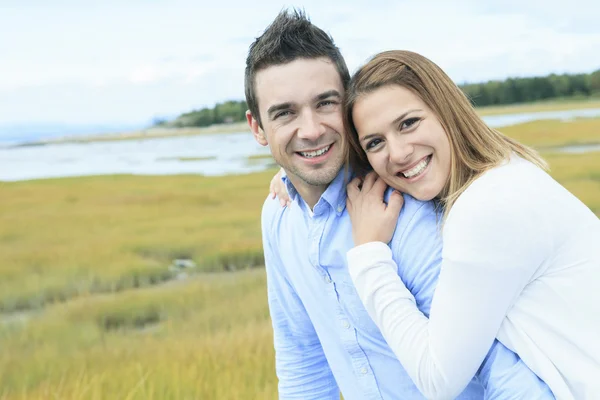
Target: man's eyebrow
394, 122
285, 106
328, 94
278, 107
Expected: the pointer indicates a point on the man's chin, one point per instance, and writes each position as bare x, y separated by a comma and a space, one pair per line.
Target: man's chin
318, 178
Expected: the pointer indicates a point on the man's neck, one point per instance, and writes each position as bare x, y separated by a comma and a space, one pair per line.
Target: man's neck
309, 193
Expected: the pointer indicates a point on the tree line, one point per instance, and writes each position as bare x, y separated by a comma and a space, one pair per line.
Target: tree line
525, 90
508, 91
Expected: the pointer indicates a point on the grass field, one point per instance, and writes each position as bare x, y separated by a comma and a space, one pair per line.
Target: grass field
89, 308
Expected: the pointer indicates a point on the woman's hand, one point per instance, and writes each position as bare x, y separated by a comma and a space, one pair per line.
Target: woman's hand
372, 219
277, 189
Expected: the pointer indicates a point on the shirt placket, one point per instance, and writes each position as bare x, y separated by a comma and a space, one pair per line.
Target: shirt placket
347, 331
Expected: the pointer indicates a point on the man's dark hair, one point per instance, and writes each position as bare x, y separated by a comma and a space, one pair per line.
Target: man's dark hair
289, 37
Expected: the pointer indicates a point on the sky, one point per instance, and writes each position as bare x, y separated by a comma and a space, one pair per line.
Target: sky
129, 61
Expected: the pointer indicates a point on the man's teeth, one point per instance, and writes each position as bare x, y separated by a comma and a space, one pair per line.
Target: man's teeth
417, 169
311, 154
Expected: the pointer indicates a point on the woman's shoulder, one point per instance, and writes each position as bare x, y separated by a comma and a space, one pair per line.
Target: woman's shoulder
509, 190
512, 179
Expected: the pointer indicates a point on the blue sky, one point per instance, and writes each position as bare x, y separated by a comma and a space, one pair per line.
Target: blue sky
125, 62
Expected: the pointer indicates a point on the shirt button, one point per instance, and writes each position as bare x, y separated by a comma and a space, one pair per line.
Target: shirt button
364, 370
327, 279
346, 324
340, 208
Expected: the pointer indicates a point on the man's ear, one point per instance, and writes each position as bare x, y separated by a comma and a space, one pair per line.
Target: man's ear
259, 134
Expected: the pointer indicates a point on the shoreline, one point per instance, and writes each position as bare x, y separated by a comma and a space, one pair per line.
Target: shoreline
239, 127
141, 134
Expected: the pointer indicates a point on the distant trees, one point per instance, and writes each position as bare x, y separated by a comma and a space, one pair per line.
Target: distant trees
511, 90
222, 113
523, 90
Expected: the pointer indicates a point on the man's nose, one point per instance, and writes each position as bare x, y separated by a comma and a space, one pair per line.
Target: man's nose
311, 127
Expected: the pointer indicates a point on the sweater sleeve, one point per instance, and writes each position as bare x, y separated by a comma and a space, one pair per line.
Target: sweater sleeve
492, 247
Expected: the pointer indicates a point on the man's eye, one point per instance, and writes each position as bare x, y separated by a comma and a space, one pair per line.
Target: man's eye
372, 143
407, 123
282, 114
327, 103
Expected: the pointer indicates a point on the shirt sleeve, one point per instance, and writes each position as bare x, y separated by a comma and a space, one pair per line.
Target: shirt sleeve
302, 369
504, 375
491, 250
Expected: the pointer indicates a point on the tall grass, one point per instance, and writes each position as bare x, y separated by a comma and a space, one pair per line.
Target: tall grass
206, 338
62, 238
552, 133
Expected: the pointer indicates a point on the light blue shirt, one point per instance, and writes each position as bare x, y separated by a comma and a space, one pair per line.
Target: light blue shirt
324, 339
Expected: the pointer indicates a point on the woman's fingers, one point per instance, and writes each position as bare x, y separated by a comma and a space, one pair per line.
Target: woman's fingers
353, 188
369, 181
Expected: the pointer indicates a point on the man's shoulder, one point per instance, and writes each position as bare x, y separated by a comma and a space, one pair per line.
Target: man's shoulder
272, 211
413, 208
417, 215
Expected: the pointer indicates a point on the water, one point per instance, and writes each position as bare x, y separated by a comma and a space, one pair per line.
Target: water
225, 153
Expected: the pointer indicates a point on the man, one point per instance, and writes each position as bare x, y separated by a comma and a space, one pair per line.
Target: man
324, 339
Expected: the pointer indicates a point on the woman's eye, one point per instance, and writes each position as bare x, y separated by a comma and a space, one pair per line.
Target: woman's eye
373, 143
408, 123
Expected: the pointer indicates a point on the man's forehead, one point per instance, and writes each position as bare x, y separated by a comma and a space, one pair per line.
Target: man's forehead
297, 81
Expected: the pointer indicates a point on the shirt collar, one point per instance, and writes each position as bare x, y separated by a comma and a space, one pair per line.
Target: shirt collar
334, 195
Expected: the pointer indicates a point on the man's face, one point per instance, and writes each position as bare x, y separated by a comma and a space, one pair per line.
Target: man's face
300, 108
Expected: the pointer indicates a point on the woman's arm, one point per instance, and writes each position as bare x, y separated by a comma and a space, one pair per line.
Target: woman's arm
490, 254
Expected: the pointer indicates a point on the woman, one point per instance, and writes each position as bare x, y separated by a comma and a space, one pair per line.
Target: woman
521, 258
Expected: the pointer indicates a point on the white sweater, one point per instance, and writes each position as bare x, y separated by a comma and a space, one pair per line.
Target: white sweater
521, 263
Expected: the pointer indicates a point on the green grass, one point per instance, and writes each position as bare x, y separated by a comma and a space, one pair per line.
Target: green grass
85, 260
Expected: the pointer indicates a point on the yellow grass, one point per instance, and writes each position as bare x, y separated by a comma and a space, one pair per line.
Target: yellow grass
213, 341
552, 133
61, 238
550, 105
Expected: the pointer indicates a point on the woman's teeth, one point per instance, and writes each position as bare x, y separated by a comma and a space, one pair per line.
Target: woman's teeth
417, 169
316, 153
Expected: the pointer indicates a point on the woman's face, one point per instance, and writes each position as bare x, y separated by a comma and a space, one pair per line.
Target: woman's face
405, 143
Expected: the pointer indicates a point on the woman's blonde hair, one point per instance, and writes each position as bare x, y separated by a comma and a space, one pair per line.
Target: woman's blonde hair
474, 146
